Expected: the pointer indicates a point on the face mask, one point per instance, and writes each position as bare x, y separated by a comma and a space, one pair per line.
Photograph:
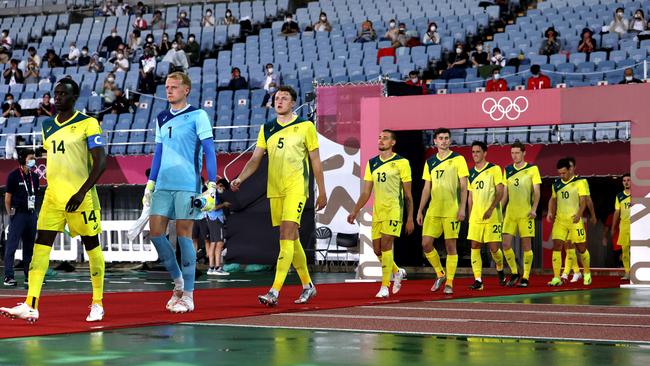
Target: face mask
629, 78
150, 40
72, 48
433, 28
289, 19
637, 17
415, 80
114, 34
620, 15
479, 48
85, 53
191, 39
209, 14
120, 56
110, 80
10, 101
459, 50
174, 46
31, 163
270, 70
228, 15
138, 19
402, 29
220, 190
497, 76
392, 25
322, 19
182, 15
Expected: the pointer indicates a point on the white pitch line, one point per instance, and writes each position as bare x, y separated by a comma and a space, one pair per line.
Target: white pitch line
119, 282
501, 311
545, 305
155, 283
581, 340
423, 319
7, 295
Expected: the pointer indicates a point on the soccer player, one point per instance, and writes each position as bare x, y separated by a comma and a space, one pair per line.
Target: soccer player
568, 202
183, 133
622, 219
445, 182
520, 198
75, 161
291, 142
390, 175
485, 217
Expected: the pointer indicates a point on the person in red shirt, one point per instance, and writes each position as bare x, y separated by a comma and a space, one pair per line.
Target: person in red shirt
414, 80
496, 84
538, 80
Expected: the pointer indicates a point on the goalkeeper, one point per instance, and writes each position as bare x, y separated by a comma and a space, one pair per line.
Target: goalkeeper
182, 132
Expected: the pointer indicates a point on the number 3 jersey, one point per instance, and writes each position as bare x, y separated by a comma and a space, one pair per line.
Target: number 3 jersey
521, 184
387, 177
68, 144
288, 146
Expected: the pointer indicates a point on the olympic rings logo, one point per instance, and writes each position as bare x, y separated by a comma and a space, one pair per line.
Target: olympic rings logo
505, 107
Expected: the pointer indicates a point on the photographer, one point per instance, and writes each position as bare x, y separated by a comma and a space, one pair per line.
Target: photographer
32, 76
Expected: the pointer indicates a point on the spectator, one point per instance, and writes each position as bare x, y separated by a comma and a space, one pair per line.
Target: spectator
480, 57
208, 19
95, 65
45, 108
645, 34
112, 42
121, 63
120, 104
135, 40
157, 22
431, 36
13, 75
228, 19
496, 84
367, 34
216, 220
271, 82
53, 60
629, 77
108, 9
402, 38
165, 45
149, 44
73, 55
193, 50
147, 82
177, 58
20, 203
178, 38
322, 25
638, 22
392, 32
414, 80
6, 45
122, 8
140, 8
107, 89
237, 82
587, 43
289, 28
551, 45
538, 80
619, 24
183, 21
456, 63
84, 59
11, 108
140, 24
32, 75
33, 56
412, 38
497, 58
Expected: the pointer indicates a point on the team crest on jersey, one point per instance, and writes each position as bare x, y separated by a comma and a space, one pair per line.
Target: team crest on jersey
295, 129
392, 164
73, 128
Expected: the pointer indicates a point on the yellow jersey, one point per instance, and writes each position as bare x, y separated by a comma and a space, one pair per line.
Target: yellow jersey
622, 203
520, 183
568, 196
387, 177
483, 185
444, 175
69, 162
288, 146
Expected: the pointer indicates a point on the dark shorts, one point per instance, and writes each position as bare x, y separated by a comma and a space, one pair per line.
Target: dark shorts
208, 230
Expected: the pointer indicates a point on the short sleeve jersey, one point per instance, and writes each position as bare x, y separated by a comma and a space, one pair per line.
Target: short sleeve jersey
69, 162
180, 133
288, 146
483, 185
622, 203
520, 183
444, 175
388, 177
568, 197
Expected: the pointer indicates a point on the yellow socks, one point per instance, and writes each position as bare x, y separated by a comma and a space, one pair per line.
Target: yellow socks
452, 263
576, 266
626, 258
37, 269
557, 263
96, 266
386, 267
569, 261
284, 263
512, 261
498, 259
477, 263
586, 261
528, 263
300, 262
434, 259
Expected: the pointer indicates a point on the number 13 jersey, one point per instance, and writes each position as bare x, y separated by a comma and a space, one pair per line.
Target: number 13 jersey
387, 177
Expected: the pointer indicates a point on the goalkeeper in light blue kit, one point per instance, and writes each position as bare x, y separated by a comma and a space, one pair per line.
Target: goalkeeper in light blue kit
183, 133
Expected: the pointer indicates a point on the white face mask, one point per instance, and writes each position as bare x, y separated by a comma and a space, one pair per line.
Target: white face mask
138, 19
72, 48
85, 53
228, 15
289, 19
114, 34
31, 163
150, 40
629, 78
270, 70
174, 46
415, 80
497, 76
620, 15
322, 19
432, 28
220, 190
191, 39
391, 24
208, 14
110, 80
10, 101
120, 56
459, 50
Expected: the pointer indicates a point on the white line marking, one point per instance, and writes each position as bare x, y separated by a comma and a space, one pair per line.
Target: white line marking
424, 319
508, 311
6, 295
546, 305
119, 282
131, 278
83, 281
583, 340
155, 283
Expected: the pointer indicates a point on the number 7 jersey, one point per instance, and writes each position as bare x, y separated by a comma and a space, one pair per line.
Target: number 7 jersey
68, 144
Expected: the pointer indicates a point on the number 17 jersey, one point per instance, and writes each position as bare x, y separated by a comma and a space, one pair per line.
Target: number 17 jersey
444, 175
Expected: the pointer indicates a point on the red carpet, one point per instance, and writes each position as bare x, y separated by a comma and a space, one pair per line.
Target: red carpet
62, 314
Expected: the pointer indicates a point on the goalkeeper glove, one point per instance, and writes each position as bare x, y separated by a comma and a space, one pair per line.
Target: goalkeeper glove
148, 192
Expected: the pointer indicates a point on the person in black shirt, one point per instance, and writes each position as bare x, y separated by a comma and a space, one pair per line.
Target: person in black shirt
237, 81
120, 104
629, 77
112, 42
20, 203
84, 59
289, 27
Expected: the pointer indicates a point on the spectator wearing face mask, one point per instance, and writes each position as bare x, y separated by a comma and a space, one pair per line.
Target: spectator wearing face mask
587, 43
13, 75
479, 56
322, 25
497, 58
147, 82
208, 19
629, 77
45, 107
431, 36
165, 45
32, 75
121, 63
157, 22
10, 108
149, 44
367, 33
402, 37
638, 22
183, 20
392, 32
140, 23
84, 58
457, 62
237, 82
550, 45
414, 80
228, 18
193, 50
108, 9
178, 38
53, 60
496, 83
112, 42
95, 65
270, 84
538, 80
135, 41
619, 24
289, 28
72, 57
106, 90
6, 45
177, 58
32, 55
